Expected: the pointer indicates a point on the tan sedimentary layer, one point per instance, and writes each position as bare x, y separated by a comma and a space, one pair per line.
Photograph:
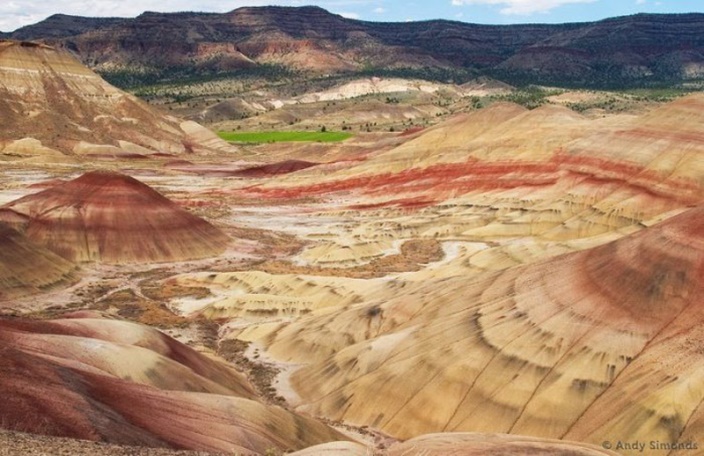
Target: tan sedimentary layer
27, 268
49, 96
586, 346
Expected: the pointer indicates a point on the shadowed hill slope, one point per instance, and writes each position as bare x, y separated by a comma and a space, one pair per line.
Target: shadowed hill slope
28, 268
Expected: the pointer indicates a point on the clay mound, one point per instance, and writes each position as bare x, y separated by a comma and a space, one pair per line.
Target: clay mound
48, 87
255, 295
588, 346
466, 444
502, 146
113, 218
125, 350
26, 268
462, 444
569, 176
533, 136
450, 137
30, 150
55, 379
661, 151
274, 169
501, 133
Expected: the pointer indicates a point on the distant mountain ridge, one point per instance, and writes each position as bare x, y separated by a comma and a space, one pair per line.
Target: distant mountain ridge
630, 50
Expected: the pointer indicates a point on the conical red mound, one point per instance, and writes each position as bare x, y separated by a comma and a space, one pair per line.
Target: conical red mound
113, 218
27, 268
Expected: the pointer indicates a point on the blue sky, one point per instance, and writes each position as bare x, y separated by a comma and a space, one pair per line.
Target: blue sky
16, 13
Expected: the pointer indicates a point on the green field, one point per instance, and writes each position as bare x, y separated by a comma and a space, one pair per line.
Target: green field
283, 136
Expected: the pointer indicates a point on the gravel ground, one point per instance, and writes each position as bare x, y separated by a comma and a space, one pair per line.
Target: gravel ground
19, 444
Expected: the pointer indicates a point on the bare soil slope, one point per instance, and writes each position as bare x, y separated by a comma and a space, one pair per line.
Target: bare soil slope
49, 96
113, 218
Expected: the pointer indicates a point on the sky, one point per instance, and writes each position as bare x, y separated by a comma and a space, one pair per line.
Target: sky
16, 13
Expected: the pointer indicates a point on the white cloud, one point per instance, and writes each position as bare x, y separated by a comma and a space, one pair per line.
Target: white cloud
641, 2
522, 7
379, 10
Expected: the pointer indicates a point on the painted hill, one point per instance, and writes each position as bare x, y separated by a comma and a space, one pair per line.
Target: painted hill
566, 302
462, 444
113, 218
607, 173
78, 113
661, 151
28, 268
584, 346
122, 383
624, 50
467, 444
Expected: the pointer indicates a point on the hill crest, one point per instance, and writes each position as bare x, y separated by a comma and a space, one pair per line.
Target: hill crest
312, 39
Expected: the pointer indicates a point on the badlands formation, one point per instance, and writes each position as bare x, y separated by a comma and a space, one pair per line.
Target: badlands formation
113, 218
106, 380
55, 109
509, 281
26, 267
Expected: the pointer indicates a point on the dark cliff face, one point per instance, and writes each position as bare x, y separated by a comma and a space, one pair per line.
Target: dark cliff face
634, 49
